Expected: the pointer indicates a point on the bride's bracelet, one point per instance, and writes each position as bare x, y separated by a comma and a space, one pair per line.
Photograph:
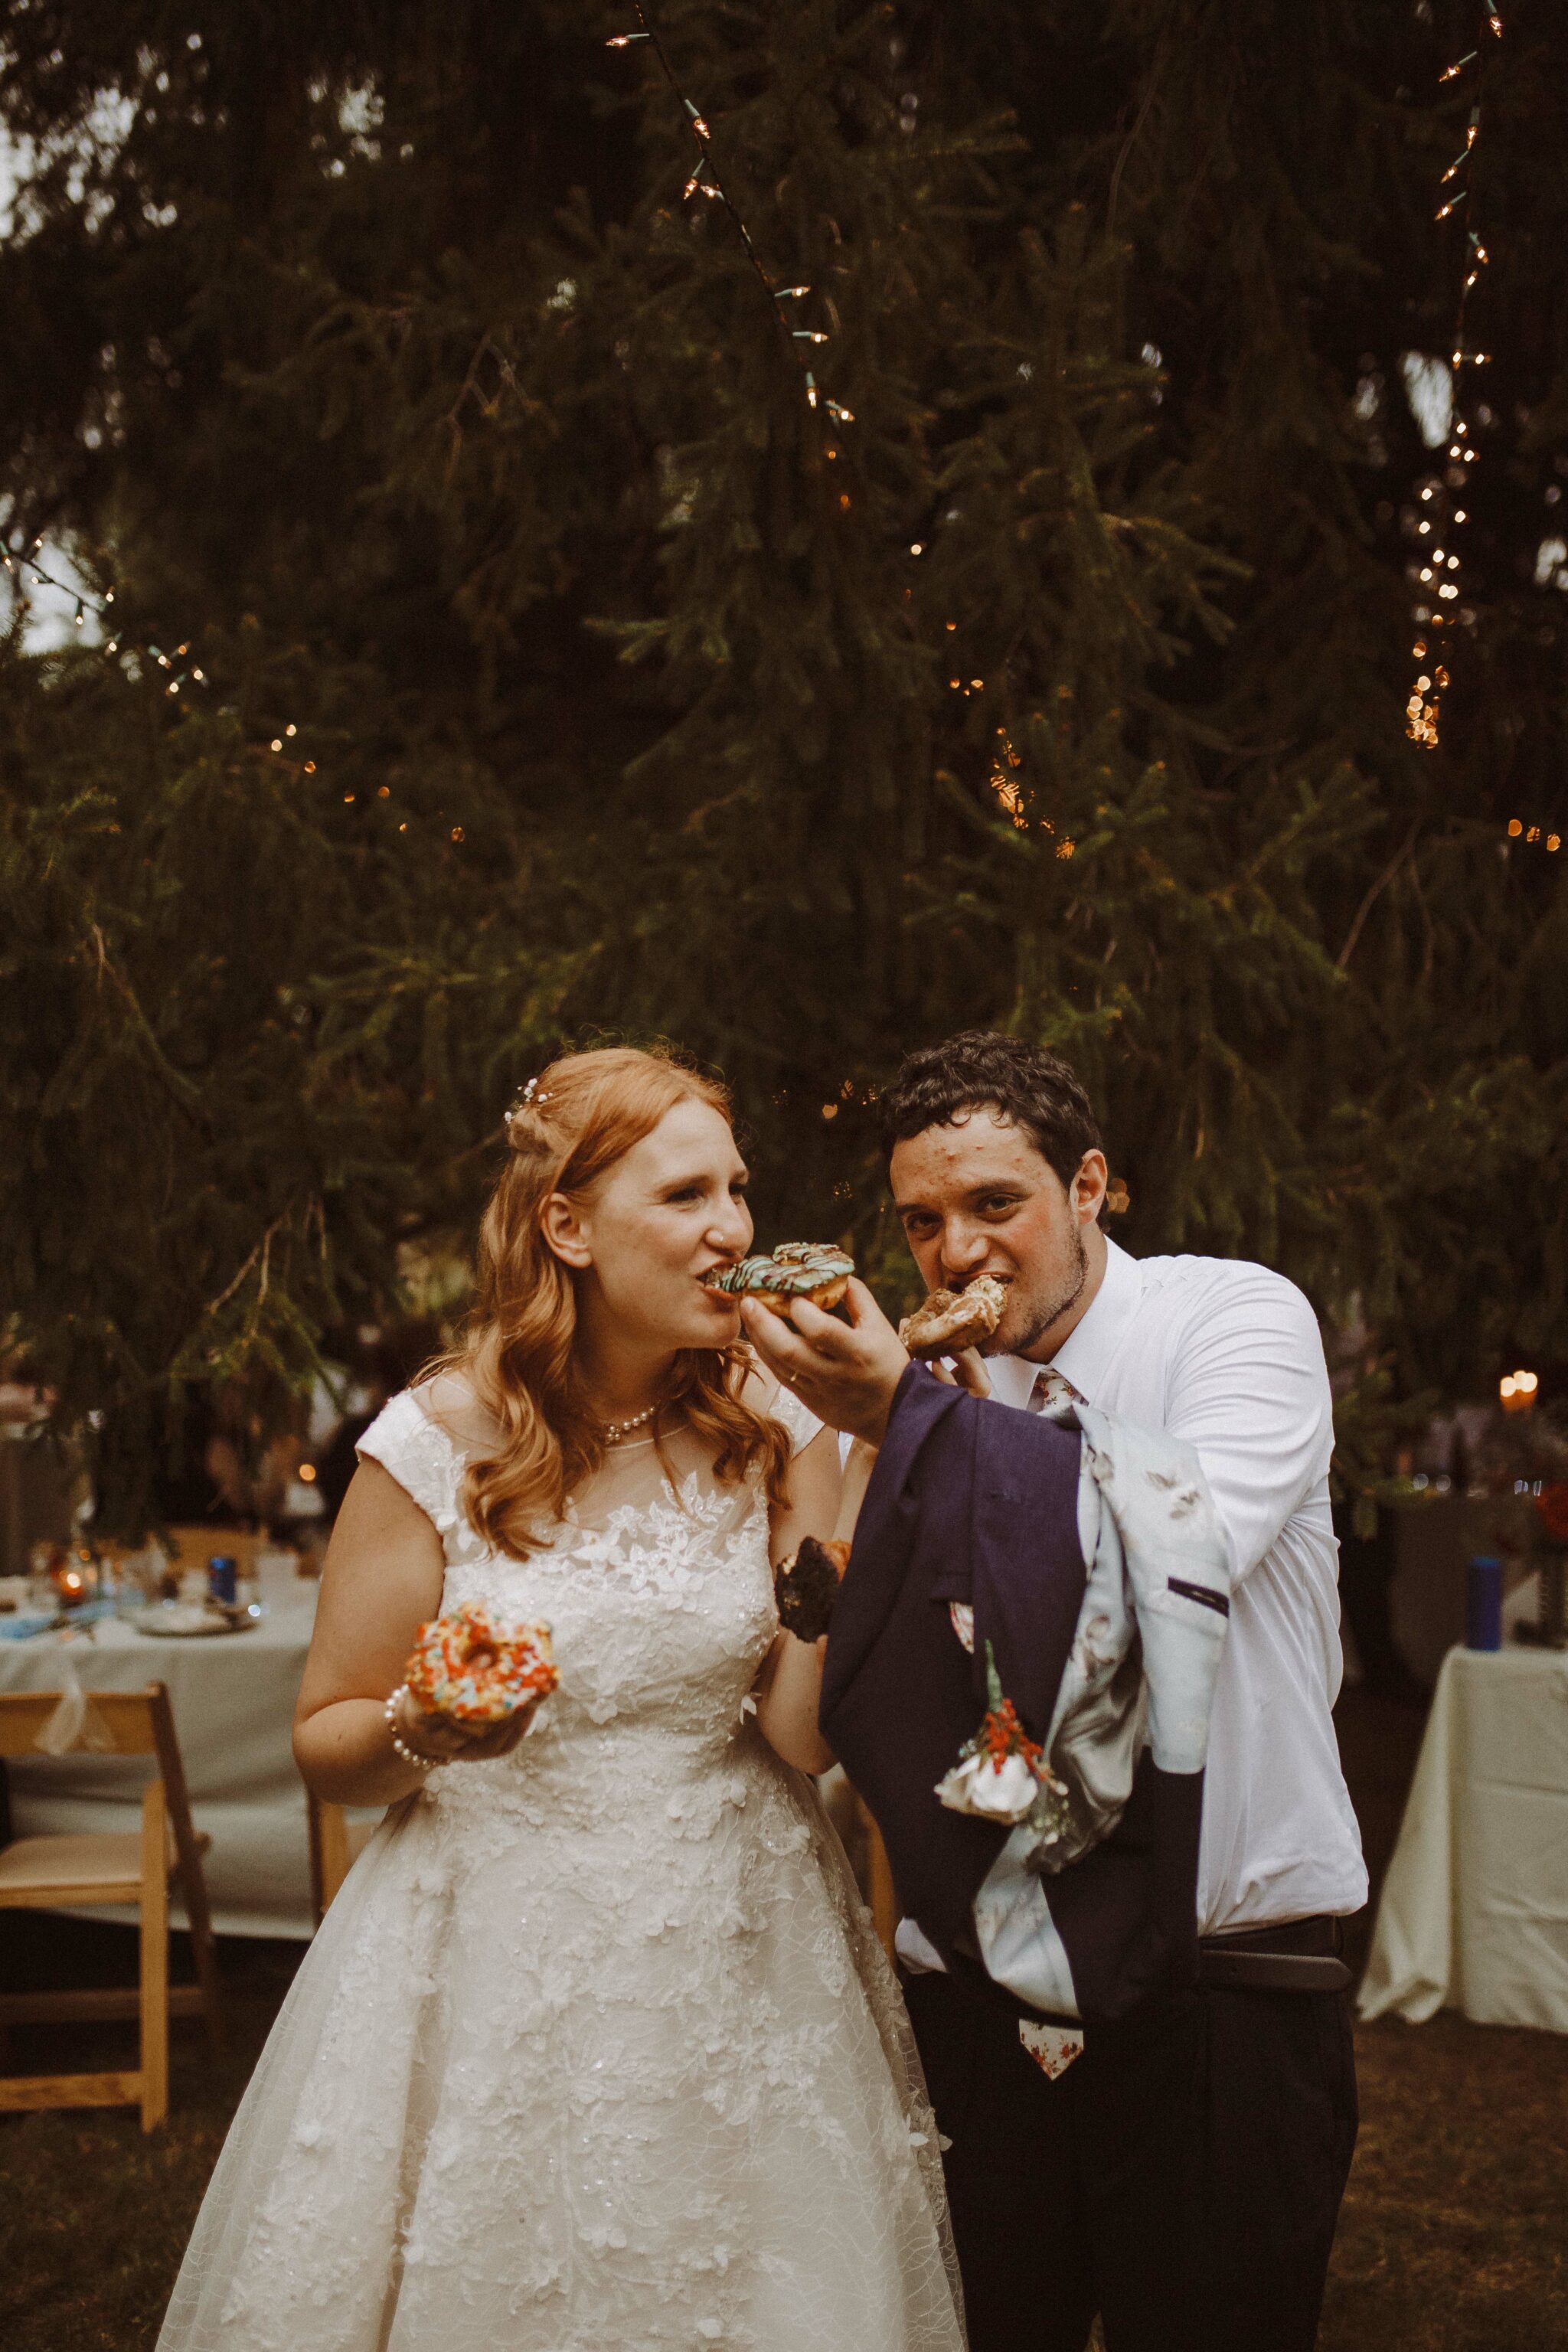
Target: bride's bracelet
409, 1755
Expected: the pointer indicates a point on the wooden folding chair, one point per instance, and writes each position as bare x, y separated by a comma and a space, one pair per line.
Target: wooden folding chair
336, 1844
51, 1874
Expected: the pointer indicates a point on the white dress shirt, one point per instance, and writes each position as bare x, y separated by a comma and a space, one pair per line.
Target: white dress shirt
1229, 1356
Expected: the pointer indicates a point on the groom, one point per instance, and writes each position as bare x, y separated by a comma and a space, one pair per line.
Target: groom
1181, 2175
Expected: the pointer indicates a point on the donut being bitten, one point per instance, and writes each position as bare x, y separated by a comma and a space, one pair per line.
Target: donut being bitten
949, 1320
465, 1669
813, 1270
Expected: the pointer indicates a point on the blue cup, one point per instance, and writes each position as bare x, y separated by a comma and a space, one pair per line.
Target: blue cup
223, 1571
1483, 1605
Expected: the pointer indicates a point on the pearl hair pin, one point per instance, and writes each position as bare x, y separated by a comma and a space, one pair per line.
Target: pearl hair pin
529, 1100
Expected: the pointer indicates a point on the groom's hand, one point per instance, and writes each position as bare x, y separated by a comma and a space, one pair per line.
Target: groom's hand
846, 1372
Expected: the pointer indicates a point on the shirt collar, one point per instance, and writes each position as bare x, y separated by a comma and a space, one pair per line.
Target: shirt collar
1085, 1355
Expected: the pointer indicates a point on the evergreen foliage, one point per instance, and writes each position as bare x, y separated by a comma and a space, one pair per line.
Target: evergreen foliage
372, 351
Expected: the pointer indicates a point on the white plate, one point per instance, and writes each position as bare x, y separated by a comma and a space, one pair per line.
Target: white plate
188, 1621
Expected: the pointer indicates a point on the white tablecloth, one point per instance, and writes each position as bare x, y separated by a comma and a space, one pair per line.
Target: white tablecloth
233, 1700
1474, 1912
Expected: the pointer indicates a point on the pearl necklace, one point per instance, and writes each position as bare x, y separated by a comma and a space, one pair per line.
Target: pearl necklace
613, 1431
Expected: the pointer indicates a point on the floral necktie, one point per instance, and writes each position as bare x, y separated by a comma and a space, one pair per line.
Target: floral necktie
1052, 1390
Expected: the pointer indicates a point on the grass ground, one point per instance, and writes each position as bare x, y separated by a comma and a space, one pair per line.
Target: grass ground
1453, 2236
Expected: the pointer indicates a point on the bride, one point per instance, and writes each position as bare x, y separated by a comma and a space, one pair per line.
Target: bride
595, 2051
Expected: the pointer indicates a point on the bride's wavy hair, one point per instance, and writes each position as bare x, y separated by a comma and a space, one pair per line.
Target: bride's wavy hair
517, 1353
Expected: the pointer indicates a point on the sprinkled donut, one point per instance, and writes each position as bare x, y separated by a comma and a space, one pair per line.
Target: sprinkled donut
463, 1666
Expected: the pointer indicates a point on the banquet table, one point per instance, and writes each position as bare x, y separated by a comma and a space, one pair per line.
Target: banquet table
233, 1700
1474, 1912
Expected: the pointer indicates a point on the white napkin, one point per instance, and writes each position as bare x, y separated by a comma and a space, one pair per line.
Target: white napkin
74, 1723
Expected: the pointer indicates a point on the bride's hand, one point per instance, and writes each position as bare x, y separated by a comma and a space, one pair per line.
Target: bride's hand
445, 1742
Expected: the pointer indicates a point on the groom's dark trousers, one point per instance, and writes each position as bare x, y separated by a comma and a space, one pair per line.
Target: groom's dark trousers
1182, 2178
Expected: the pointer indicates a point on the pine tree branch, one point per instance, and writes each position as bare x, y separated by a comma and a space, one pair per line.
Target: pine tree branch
1375, 892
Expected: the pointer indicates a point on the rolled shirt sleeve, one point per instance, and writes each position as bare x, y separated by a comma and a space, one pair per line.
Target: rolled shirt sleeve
1247, 1387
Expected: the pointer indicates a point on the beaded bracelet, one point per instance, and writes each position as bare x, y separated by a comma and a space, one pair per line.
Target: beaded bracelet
409, 1755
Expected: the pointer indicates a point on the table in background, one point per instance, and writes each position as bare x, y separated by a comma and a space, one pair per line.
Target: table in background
233, 1699
1474, 1911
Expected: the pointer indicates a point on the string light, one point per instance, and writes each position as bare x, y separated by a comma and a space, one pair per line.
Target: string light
18, 561
705, 180
1423, 707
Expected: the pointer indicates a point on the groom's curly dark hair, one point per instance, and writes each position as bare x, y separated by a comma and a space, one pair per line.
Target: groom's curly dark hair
979, 1069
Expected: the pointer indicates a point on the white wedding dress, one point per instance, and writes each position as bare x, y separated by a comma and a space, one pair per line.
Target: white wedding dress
596, 2050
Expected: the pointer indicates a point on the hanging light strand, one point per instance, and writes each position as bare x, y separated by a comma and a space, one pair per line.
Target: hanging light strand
21, 566
704, 181
1439, 571
20, 561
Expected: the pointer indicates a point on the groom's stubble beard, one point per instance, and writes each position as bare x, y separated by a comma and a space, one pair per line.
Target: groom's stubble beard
1040, 1308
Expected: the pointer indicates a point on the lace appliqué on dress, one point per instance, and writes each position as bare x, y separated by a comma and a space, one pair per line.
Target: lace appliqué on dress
596, 2050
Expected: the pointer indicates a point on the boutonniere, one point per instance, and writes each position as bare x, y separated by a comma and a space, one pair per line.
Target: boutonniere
1001, 1774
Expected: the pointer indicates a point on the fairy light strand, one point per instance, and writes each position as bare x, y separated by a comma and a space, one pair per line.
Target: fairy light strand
704, 181
1439, 569
21, 565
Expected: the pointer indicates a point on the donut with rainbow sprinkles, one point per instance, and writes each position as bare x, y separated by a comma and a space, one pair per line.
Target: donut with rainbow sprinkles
466, 1667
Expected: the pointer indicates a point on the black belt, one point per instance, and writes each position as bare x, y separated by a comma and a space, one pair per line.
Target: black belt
1297, 1956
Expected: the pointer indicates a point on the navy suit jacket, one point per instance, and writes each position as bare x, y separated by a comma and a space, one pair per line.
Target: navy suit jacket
974, 1502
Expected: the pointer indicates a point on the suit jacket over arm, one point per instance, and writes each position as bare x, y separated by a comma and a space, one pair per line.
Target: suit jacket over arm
972, 1502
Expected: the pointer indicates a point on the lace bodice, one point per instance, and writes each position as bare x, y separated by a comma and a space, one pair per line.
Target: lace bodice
659, 1594
595, 2052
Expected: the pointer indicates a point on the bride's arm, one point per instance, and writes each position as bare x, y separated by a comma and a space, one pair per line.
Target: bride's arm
382, 1581
790, 1684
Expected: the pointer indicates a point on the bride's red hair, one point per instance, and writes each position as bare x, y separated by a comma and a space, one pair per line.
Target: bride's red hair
517, 1354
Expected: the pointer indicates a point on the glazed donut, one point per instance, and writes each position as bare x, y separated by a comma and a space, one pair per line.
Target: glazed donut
951, 1319
813, 1270
463, 1667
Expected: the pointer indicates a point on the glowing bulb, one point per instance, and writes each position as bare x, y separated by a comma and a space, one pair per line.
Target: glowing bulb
307, 1470
1514, 828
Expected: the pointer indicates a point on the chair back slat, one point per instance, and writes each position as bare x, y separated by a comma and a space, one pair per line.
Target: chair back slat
129, 1717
